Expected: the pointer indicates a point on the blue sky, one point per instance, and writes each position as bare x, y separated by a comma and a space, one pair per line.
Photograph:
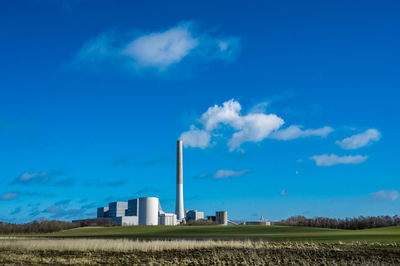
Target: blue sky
285, 108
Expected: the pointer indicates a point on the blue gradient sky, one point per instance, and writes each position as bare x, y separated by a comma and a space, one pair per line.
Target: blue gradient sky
92, 103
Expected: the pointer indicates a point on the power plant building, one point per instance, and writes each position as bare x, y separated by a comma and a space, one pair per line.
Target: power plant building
133, 206
194, 215
102, 212
117, 209
221, 217
148, 211
167, 219
126, 220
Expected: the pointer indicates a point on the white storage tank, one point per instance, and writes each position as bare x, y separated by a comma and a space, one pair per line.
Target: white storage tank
148, 211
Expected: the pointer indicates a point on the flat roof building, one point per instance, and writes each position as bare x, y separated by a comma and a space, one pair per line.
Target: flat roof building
117, 209
221, 217
102, 212
167, 219
133, 208
194, 215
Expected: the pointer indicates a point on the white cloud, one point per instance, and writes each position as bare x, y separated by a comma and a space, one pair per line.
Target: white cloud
162, 49
360, 140
227, 114
9, 196
253, 127
229, 173
332, 159
284, 192
294, 132
196, 138
385, 195
158, 50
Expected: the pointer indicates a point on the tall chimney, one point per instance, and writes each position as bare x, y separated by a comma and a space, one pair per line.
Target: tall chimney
179, 182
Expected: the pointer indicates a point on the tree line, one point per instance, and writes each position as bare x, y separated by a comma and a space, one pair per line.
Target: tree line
44, 226
346, 223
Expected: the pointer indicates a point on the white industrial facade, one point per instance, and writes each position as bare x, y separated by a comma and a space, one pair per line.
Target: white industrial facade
126, 220
167, 219
148, 211
141, 211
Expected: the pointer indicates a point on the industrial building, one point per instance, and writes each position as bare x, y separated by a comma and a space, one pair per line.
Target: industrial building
221, 217
141, 211
148, 211
194, 215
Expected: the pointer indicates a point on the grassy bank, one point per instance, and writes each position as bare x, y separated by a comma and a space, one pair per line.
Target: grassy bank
24, 251
276, 233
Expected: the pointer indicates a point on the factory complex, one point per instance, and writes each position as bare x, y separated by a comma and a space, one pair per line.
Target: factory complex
148, 211
141, 211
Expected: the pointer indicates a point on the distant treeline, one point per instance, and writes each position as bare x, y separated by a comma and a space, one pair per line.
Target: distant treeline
44, 226
347, 223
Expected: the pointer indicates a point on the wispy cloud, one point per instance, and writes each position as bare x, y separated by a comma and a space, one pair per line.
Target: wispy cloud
9, 196
385, 195
283, 192
332, 159
34, 213
115, 183
89, 206
230, 173
295, 132
16, 211
53, 209
34, 178
63, 202
58, 212
360, 140
158, 50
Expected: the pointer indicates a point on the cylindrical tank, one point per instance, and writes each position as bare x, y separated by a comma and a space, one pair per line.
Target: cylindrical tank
148, 211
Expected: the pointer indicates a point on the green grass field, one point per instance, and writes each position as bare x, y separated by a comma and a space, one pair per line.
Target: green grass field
275, 233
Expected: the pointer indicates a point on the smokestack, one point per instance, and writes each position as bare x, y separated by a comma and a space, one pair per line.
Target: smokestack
179, 182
